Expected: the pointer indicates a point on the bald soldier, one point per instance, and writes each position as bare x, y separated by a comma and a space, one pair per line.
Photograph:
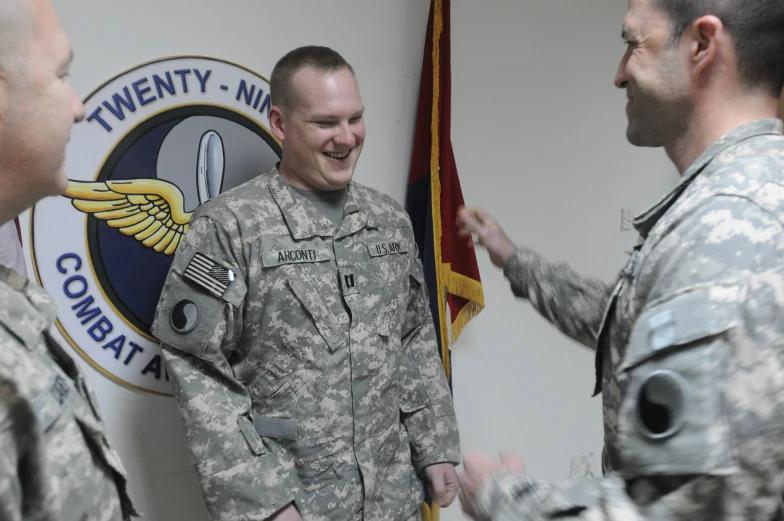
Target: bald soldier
56, 463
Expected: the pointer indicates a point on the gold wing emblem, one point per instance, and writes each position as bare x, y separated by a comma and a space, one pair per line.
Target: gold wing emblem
151, 210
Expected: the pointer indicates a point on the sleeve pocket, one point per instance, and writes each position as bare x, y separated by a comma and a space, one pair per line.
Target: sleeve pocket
186, 318
188, 313
672, 419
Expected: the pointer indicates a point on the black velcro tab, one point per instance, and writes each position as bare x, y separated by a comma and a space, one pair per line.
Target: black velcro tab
276, 428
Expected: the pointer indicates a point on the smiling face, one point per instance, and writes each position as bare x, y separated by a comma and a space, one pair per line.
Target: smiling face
652, 72
322, 131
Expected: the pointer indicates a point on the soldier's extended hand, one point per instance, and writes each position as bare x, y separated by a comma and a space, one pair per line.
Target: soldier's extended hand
289, 513
488, 232
442, 480
477, 469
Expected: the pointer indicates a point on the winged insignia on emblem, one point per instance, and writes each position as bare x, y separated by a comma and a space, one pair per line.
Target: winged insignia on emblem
151, 210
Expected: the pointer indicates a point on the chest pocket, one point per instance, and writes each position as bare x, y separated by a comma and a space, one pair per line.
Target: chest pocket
304, 273
672, 419
324, 319
299, 317
389, 265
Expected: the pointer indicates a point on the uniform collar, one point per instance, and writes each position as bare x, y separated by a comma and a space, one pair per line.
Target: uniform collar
17, 296
645, 222
305, 221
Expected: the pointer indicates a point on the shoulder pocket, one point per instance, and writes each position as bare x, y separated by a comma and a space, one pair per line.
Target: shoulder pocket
198, 290
671, 324
672, 418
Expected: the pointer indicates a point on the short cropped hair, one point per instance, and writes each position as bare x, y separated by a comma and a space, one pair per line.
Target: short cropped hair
16, 26
320, 58
756, 27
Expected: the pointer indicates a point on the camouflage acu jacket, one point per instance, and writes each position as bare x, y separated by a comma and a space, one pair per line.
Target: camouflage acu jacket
304, 358
690, 356
56, 463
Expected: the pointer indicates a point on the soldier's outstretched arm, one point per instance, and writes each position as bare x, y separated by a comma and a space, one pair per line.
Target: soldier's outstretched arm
199, 323
702, 416
572, 303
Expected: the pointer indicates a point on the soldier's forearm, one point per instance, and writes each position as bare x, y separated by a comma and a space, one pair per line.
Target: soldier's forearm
573, 304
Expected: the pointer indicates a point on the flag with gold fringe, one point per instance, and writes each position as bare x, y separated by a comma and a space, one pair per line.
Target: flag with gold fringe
433, 198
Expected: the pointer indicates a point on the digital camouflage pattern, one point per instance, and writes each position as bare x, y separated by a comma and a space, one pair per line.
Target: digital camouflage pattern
56, 463
304, 358
690, 357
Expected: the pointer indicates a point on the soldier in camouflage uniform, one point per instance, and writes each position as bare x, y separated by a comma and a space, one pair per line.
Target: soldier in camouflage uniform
690, 339
297, 332
56, 463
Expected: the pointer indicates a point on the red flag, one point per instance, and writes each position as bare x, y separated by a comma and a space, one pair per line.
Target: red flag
433, 166
434, 196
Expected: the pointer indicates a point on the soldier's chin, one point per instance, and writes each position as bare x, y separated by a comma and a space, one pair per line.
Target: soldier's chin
631, 136
342, 179
344, 173
635, 135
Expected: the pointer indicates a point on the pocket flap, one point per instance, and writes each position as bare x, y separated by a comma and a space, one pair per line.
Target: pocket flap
412, 401
417, 271
387, 321
692, 315
325, 321
410, 408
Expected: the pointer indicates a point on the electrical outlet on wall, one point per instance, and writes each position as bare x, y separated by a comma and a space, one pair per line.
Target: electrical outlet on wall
627, 216
583, 465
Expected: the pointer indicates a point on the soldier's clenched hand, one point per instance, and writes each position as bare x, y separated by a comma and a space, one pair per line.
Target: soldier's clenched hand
442, 483
477, 469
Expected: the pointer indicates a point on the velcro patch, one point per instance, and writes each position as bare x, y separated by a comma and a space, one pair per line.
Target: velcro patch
378, 249
208, 274
279, 428
274, 258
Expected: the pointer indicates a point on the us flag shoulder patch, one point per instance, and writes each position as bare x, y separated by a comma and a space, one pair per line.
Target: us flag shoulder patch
209, 274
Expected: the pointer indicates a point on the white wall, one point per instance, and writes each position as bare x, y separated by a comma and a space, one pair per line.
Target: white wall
538, 135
